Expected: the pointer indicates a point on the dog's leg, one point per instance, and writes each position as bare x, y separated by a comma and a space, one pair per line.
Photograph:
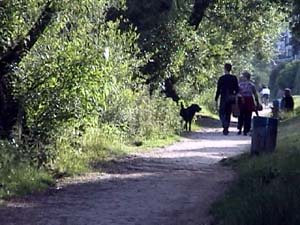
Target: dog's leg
190, 123
183, 124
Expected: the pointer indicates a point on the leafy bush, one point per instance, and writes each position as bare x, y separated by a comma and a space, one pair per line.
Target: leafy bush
81, 85
207, 101
130, 118
140, 116
71, 72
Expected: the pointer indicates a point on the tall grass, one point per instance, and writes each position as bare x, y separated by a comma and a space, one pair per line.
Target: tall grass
17, 175
207, 102
267, 190
76, 153
22, 179
132, 121
139, 122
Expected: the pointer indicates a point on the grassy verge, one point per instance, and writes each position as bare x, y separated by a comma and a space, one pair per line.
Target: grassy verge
75, 156
98, 147
267, 190
23, 179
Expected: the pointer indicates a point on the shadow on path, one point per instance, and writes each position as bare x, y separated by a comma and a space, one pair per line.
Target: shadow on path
174, 185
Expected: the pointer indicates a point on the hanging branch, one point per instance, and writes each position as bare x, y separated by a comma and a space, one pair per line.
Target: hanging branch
15, 54
11, 110
200, 6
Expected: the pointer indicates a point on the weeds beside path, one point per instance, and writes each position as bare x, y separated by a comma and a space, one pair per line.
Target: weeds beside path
167, 186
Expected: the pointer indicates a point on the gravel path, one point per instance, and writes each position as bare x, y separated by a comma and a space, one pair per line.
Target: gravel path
174, 185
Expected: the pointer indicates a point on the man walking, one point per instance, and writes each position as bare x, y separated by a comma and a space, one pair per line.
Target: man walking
227, 88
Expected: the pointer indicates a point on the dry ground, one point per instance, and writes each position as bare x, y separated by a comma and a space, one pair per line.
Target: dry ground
174, 185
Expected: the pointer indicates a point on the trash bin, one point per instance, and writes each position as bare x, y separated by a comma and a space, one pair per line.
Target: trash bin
264, 134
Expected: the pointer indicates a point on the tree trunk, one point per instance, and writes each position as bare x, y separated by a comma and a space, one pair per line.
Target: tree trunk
9, 105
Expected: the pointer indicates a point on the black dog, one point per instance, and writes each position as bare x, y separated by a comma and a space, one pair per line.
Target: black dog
188, 113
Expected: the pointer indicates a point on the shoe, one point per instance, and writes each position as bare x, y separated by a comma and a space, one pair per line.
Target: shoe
245, 134
240, 132
225, 132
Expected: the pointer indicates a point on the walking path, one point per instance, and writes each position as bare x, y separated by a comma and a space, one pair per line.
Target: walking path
175, 185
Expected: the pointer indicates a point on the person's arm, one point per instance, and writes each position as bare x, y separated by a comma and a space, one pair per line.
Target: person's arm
236, 85
218, 90
254, 91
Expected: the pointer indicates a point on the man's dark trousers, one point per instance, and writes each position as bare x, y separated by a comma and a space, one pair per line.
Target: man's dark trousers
225, 114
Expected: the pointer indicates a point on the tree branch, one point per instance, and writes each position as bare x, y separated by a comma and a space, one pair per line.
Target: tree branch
17, 52
200, 6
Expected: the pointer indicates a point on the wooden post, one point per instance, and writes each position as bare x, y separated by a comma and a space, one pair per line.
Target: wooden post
264, 135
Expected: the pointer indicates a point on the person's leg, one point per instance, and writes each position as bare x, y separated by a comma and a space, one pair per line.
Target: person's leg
247, 124
223, 114
227, 116
241, 119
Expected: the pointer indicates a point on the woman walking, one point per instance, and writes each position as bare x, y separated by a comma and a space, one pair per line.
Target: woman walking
247, 95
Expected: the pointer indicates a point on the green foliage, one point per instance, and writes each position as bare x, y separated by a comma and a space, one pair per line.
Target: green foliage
73, 68
82, 85
230, 31
294, 24
128, 120
273, 78
289, 76
19, 180
16, 18
139, 116
267, 190
261, 73
17, 175
286, 75
207, 101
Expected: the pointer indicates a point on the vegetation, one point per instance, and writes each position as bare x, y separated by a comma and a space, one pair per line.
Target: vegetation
78, 77
286, 75
267, 189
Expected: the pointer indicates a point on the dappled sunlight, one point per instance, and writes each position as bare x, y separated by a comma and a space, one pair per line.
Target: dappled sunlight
142, 180
182, 155
21, 204
102, 177
205, 147
211, 144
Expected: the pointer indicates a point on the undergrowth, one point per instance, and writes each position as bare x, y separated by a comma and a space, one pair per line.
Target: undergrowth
267, 189
146, 123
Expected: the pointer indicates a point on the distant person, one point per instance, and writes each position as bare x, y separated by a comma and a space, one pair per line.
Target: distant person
287, 102
265, 94
280, 93
227, 88
247, 95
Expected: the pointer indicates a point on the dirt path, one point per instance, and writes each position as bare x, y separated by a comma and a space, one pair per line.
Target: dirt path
169, 186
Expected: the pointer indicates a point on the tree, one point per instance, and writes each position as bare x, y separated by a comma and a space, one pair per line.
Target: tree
185, 41
10, 107
223, 30
64, 65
